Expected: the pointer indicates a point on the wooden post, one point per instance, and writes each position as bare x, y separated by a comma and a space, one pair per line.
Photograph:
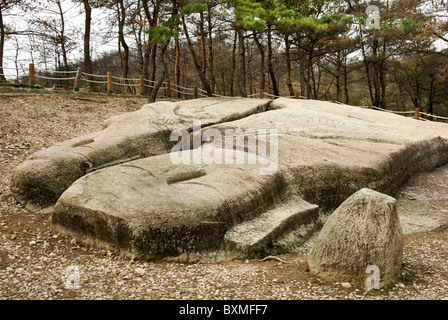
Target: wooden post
261, 95
417, 113
109, 83
31, 76
77, 80
297, 95
168, 88
142, 86
195, 92
370, 105
333, 100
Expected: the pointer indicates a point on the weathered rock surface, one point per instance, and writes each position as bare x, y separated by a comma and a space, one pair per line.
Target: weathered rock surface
423, 204
151, 207
45, 175
330, 151
364, 231
258, 234
133, 206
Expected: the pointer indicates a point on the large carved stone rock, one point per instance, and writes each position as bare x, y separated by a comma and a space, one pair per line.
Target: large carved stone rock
44, 176
317, 153
363, 231
151, 207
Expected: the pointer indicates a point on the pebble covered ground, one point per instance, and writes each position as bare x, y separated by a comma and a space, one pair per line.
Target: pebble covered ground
38, 264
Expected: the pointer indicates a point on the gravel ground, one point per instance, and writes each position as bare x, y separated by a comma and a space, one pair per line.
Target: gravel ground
36, 263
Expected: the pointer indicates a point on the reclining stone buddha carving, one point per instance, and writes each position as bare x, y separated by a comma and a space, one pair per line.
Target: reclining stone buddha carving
120, 188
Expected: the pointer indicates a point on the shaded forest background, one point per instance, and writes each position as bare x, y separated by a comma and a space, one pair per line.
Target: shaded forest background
318, 49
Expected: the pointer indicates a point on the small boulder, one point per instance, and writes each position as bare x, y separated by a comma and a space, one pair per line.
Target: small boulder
363, 231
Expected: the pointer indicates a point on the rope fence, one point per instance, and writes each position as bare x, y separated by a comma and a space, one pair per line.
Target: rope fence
55, 71
93, 81
94, 75
433, 116
417, 114
51, 78
396, 112
139, 85
126, 84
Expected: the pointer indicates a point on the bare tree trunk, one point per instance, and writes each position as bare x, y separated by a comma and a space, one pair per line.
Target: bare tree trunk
338, 76
153, 62
62, 40
162, 76
309, 77
383, 77
376, 73
121, 15
345, 81
88, 20
431, 95
195, 60
176, 47
147, 46
202, 37
177, 62
383, 85
241, 76
288, 66
138, 35
270, 66
417, 98
232, 79
366, 64
313, 77
210, 49
150, 54
262, 62
249, 71
16, 59
302, 73
145, 67
2, 46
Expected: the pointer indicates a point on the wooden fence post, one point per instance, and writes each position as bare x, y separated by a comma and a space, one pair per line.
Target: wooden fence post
142, 86
195, 92
77, 80
297, 95
261, 94
370, 105
417, 113
109, 83
31, 76
168, 88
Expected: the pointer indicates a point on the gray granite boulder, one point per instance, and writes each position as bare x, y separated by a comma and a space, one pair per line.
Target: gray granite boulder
363, 231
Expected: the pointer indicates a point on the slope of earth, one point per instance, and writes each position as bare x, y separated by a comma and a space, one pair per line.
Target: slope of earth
34, 261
